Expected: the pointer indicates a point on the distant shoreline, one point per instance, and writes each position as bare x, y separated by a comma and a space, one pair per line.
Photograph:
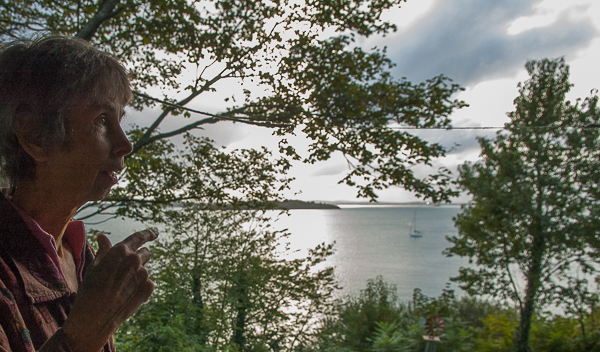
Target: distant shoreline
291, 204
300, 204
411, 204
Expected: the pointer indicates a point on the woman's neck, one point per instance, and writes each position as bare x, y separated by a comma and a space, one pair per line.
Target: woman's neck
50, 211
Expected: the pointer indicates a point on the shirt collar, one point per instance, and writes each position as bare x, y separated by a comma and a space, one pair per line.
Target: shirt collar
34, 252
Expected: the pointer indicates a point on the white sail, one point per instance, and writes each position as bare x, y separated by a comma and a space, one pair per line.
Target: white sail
413, 227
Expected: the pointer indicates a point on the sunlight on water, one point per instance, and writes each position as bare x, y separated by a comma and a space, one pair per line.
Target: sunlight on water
308, 228
373, 241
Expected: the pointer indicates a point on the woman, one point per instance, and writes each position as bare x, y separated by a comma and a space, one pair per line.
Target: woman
62, 145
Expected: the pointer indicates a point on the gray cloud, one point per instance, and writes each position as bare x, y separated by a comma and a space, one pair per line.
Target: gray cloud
225, 133
457, 142
467, 41
330, 168
222, 133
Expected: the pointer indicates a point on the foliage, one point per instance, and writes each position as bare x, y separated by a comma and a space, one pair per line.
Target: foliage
224, 278
387, 338
353, 321
497, 331
376, 321
164, 174
472, 324
549, 332
460, 318
425, 306
288, 65
534, 213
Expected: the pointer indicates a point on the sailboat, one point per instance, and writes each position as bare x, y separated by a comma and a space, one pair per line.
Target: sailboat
413, 227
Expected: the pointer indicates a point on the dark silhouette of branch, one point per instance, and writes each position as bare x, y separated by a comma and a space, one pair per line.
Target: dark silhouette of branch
105, 12
213, 118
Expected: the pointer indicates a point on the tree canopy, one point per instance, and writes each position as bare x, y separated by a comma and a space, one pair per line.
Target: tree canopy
294, 65
532, 228
226, 280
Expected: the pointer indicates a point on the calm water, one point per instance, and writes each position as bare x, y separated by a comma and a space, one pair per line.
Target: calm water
369, 241
373, 241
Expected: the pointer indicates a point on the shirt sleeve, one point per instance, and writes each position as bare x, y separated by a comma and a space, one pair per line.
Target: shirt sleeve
14, 335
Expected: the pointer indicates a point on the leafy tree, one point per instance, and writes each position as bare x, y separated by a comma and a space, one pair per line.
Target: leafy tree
352, 323
223, 283
549, 332
376, 320
580, 301
497, 332
389, 338
162, 174
534, 213
461, 317
224, 280
297, 67
425, 306
472, 324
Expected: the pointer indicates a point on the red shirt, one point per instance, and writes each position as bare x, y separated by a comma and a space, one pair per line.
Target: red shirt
35, 299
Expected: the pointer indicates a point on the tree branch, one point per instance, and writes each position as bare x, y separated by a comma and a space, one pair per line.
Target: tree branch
512, 281
146, 136
214, 118
106, 11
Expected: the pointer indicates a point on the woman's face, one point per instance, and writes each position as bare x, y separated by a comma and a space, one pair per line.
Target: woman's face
87, 169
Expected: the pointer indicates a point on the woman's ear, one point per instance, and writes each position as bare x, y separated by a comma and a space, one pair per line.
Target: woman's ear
30, 141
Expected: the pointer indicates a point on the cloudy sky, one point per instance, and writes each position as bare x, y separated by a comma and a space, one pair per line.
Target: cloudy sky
483, 46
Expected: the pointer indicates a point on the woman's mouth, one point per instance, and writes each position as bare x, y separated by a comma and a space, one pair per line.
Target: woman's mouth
113, 177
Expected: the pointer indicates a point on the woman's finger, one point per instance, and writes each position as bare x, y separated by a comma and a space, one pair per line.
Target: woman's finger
104, 245
144, 254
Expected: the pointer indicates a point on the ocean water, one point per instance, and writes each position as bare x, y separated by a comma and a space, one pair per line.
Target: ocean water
369, 241
372, 241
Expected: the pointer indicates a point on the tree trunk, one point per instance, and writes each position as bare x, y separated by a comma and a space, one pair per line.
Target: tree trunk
198, 301
533, 284
240, 326
239, 338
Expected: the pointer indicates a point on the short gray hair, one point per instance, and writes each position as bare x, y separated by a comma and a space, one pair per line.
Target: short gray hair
46, 78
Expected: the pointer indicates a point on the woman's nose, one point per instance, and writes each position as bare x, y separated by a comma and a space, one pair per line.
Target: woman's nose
122, 146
